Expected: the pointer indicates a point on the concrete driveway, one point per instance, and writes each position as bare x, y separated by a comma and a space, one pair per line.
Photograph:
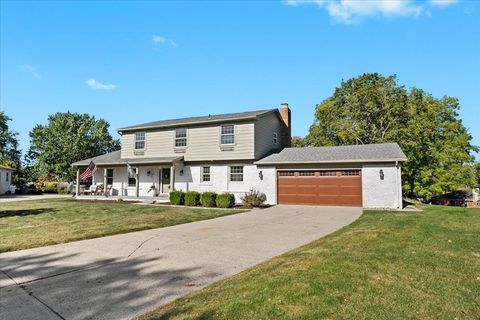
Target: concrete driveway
22, 197
123, 276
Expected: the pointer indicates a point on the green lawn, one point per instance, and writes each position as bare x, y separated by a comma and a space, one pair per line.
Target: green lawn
28, 224
386, 265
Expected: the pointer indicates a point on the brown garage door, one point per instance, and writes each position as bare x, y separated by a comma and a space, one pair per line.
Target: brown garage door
320, 187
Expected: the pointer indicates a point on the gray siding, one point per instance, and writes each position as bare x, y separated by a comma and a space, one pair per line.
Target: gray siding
203, 143
265, 126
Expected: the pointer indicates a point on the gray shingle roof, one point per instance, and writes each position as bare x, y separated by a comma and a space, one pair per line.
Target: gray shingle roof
199, 120
113, 158
351, 153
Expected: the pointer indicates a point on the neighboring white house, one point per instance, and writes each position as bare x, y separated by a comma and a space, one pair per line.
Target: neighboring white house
6, 186
239, 151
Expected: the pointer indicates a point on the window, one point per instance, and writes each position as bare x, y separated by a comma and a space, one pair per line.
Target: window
7, 176
109, 177
132, 181
140, 140
236, 173
206, 174
328, 173
227, 135
275, 140
180, 138
286, 173
351, 173
306, 173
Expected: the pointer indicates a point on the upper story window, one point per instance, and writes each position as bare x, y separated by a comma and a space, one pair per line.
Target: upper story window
227, 134
181, 138
236, 173
140, 140
275, 138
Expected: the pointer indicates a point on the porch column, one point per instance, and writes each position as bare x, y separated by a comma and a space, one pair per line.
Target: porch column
105, 182
77, 185
172, 177
137, 182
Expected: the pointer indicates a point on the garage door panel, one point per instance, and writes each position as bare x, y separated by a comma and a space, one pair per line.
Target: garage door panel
314, 189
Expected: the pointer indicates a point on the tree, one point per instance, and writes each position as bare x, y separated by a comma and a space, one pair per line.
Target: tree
67, 138
375, 109
297, 142
10, 155
476, 168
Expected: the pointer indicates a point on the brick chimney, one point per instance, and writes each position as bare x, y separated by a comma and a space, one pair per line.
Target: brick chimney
286, 116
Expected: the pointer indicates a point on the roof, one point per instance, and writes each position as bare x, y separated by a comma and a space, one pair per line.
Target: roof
6, 168
346, 154
113, 158
213, 118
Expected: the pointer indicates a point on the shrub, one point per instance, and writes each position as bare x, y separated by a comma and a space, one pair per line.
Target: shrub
207, 199
63, 188
192, 198
177, 197
120, 200
46, 183
225, 200
253, 198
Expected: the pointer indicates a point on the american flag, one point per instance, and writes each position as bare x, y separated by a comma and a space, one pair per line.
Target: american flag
89, 172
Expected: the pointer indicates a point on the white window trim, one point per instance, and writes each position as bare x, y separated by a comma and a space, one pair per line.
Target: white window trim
234, 135
144, 140
175, 138
230, 173
201, 176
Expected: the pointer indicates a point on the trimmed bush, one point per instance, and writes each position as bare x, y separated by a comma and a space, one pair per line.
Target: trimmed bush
225, 200
177, 197
192, 198
253, 198
207, 199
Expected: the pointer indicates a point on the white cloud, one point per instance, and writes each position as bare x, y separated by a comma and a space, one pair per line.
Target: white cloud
32, 70
351, 11
442, 3
94, 84
159, 40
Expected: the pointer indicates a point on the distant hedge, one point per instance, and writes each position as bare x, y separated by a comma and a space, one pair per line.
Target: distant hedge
177, 197
225, 200
208, 199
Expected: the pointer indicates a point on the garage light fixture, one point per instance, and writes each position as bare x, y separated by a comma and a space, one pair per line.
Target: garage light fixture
382, 176
260, 174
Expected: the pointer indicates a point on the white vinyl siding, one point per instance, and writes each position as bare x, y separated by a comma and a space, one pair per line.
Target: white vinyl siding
269, 130
203, 143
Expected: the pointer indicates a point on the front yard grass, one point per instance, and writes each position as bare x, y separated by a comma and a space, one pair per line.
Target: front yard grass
29, 224
386, 265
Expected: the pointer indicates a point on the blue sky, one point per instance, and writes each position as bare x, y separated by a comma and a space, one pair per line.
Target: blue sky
133, 62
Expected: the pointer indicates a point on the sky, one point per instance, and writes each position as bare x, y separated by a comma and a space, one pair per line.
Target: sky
134, 62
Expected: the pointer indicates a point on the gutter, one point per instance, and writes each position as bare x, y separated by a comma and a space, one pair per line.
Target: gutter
260, 162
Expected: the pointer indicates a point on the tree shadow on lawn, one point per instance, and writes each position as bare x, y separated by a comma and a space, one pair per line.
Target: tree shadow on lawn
24, 212
104, 288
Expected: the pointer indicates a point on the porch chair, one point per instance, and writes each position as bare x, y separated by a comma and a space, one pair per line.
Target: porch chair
91, 190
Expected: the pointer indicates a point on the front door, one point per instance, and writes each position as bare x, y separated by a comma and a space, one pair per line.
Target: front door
165, 180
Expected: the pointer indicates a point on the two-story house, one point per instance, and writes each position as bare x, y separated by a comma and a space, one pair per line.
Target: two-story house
236, 152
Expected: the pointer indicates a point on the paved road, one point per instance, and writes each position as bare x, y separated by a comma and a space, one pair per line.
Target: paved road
122, 276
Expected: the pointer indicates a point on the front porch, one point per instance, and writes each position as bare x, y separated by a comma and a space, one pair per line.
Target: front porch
148, 178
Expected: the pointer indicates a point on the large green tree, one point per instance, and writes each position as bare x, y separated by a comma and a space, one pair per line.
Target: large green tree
68, 137
10, 154
376, 109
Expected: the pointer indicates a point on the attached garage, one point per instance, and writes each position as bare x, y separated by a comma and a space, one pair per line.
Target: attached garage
366, 176
320, 187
